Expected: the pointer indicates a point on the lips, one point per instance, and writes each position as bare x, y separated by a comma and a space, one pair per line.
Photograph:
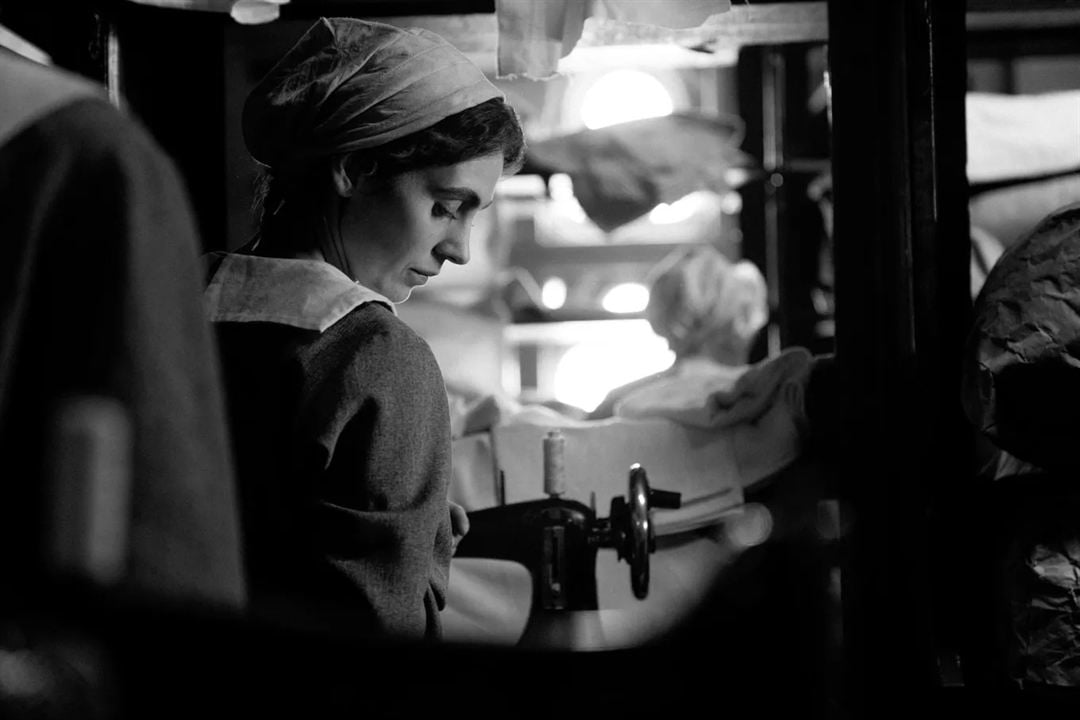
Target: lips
422, 276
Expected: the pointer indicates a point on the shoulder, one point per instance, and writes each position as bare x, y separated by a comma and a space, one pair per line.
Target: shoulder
96, 152
98, 123
32, 90
98, 130
375, 340
373, 322
65, 117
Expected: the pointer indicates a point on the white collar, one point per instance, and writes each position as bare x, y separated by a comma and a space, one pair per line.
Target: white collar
308, 294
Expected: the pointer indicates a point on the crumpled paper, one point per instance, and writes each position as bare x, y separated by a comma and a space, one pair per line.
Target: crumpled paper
1044, 628
1021, 375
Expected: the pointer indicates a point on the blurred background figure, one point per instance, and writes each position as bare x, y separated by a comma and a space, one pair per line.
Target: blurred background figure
117, 492
709, 310
101, 293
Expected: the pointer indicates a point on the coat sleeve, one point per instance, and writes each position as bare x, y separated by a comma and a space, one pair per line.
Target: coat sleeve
101, 297
381, 523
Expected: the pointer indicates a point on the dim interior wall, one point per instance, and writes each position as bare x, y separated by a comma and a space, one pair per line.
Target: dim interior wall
77, 44
249, 51
241, 169
170, 78
1024, 75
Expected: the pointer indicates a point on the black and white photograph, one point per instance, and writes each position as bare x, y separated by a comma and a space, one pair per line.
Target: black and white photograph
539, 359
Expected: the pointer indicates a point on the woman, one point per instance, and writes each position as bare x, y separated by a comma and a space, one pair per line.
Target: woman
380, 145
709, 310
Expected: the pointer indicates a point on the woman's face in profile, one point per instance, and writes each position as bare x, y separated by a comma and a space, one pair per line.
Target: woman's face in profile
398, 233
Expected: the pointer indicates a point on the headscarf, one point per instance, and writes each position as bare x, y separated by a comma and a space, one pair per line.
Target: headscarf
351, 84
695, 296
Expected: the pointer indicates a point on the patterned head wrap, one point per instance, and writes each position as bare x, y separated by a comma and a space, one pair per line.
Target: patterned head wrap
351, 84
698, 295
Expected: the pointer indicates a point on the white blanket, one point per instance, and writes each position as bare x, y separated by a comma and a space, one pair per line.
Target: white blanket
1012, 136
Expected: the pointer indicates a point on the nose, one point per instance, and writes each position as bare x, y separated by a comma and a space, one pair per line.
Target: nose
455, 246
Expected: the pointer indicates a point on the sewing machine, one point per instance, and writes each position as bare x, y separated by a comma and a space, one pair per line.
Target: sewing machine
557, 540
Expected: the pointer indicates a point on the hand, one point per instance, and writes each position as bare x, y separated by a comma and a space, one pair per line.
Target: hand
459, 524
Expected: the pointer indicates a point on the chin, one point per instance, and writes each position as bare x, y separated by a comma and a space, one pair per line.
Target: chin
398, 296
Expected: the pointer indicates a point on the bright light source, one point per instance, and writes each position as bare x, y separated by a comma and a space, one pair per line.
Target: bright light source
553, 294
731, 203
736, 176
561, 187
626, 298
682, 209
624, 95
561, 190
587, 372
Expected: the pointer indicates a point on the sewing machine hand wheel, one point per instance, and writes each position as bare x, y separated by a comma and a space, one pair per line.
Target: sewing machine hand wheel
632, 526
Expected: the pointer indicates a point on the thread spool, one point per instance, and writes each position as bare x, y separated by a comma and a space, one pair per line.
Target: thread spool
554, 468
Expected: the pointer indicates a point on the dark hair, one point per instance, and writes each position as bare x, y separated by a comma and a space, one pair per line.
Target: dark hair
483, 129
490, 127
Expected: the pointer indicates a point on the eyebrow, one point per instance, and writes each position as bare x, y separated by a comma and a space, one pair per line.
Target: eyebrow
463, 194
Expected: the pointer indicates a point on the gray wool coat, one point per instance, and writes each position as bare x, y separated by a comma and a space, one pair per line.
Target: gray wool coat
342, 448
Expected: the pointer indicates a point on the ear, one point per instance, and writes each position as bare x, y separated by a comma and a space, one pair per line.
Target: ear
339, 172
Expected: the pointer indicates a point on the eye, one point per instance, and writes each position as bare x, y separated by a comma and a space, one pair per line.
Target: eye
441, 211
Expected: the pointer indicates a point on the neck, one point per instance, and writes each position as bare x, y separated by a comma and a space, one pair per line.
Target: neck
726, 353
307, 233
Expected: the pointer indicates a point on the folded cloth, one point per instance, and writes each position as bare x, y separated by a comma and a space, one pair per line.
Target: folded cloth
777, 381
760, 410
623, 171
721, 400
679, 395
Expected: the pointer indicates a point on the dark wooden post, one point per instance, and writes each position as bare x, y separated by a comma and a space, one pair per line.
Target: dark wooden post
897, 72
170, 74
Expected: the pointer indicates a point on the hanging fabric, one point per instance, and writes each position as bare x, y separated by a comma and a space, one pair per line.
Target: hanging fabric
623, 171
534, 36
246, 12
